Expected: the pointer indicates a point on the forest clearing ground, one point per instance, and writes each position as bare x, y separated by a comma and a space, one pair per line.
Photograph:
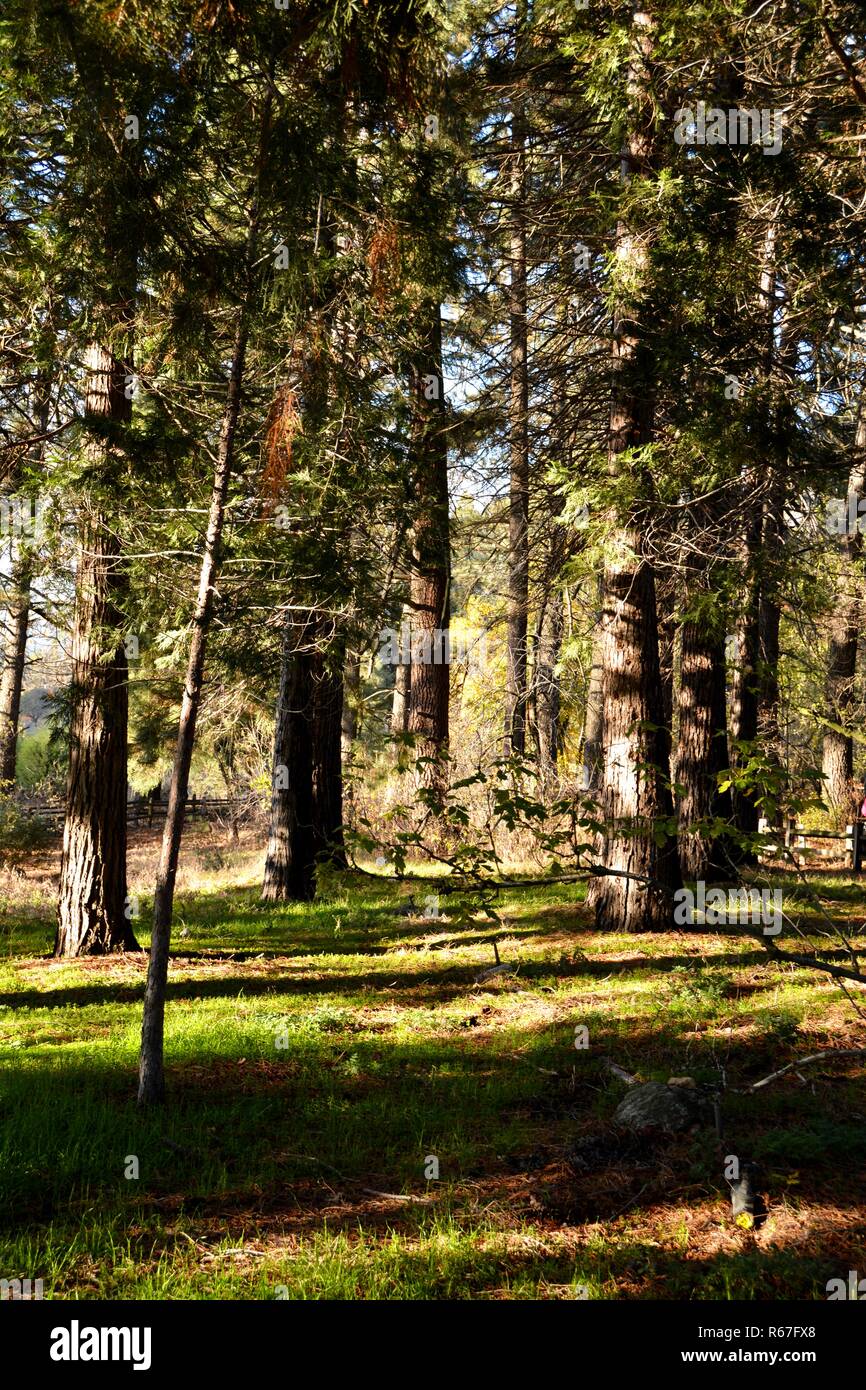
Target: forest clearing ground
284, 1165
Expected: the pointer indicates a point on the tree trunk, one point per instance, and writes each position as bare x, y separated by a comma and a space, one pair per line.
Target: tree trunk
745, 682
546, 683
349, 718
151, 1073
401, 699
290, 874
667, 645
755, 700
518, 429
349, 731
431, 565
18, 610
837, 754
702, 750
91, 909
593, 722
327, 763
636, 795
769, 607
12, 672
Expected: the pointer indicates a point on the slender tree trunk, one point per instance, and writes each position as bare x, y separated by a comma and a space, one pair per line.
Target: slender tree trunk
91, 909
290, 872
151, 1074
12, 670
755, 695
151, 1085
18, 611
593, 723
429, 597
667, 648
349, 731
401, 699
837, 753
518, 428
773, 512
349, 718
546, 683
769, 623
636, 794
769, 607
327, 763
745, 683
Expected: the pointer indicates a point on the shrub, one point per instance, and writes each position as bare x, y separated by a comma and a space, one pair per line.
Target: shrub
20, 834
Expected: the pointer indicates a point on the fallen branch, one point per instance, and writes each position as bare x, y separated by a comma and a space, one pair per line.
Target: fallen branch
620, 1073
239, 1250
804, 1061
398, 1196
812, 962
495, 970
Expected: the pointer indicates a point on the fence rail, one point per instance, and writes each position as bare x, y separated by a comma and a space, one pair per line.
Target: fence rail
795, 838
147, 810
796, 841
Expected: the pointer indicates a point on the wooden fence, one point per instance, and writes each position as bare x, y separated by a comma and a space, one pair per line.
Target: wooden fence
797, 841
148, 811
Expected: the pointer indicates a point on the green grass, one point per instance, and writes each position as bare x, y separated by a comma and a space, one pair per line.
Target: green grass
318, 1055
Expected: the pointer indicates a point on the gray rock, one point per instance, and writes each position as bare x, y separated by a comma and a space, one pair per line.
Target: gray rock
654, 1105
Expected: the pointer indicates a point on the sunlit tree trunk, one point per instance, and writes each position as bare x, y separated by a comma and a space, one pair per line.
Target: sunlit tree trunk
402, 696
92, 906
151, 1072
640, 863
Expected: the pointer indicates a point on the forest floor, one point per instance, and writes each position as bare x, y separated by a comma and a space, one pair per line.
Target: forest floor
320, 1055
